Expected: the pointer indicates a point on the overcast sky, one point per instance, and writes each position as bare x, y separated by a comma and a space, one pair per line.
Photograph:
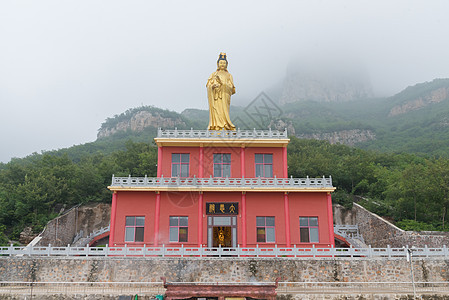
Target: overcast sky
65, 66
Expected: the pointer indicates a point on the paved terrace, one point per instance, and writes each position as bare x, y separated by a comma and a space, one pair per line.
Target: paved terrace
222, 134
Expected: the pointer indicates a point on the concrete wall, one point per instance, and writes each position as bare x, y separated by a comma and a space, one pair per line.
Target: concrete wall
378, 232
61, 230
218, 270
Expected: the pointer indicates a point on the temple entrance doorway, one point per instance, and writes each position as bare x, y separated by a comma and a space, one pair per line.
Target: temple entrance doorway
222, 231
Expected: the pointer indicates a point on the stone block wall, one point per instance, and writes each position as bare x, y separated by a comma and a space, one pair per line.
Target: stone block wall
82, 269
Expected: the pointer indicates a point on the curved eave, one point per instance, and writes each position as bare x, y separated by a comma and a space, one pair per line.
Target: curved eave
218, 189
208, 142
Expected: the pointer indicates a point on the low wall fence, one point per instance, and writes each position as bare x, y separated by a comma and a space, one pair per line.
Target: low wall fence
14, 288
373, 288
166, 251
81, 288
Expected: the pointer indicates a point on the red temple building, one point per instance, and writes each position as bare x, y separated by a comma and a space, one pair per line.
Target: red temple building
222, 189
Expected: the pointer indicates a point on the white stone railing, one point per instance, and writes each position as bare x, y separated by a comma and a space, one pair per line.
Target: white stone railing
227, 134
180, 251
222, 182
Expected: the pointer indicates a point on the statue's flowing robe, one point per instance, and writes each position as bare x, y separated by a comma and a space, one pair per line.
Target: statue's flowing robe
220, 100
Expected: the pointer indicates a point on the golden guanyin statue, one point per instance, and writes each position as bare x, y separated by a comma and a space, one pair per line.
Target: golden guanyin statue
220, 87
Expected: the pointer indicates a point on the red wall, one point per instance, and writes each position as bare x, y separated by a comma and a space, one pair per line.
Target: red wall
268, 204
250, 165
166, 159
265, 205
209, 161
135, 204
194, 165
309, 205
179, 204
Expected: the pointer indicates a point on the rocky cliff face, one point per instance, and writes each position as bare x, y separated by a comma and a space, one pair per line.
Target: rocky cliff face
282, 125
347, 137
139, 121
434, 96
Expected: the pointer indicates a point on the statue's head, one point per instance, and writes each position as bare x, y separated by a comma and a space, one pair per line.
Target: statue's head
222, 62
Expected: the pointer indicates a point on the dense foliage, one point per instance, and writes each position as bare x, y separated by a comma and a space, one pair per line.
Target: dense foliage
410, 189
35, 189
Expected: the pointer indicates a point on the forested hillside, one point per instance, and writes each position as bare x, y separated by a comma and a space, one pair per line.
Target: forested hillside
410, 189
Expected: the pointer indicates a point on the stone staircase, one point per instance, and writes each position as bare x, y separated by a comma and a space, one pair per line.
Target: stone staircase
81, 241
351, 234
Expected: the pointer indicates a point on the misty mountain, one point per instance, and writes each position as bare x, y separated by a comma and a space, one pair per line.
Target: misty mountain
414, 120
324, 83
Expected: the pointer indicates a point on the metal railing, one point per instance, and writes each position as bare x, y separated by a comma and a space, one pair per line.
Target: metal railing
275, 252
223, 134
222, 182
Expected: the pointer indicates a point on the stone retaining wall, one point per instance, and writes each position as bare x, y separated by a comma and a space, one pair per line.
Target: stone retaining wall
61, 230
218, 270
380, 233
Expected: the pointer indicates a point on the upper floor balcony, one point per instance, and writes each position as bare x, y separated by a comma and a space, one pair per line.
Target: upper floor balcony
222, 134
222, 184
222, 138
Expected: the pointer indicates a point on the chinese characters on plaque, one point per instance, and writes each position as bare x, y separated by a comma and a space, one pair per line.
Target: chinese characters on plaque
225, 208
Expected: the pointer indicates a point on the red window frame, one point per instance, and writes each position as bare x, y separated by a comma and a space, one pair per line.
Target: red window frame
220, 162
179, 228
179, 160
263, 226
137, 225
263, 164
309, 229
